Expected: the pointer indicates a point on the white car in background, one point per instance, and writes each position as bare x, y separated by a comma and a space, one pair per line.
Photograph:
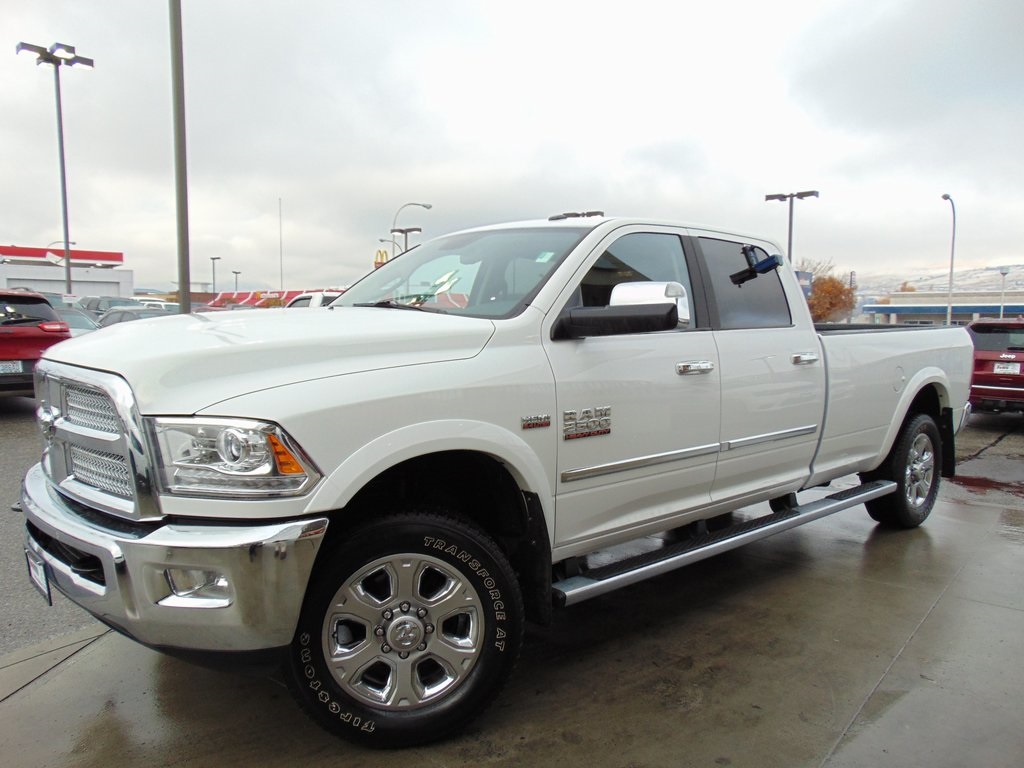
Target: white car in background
315, 298
167, 306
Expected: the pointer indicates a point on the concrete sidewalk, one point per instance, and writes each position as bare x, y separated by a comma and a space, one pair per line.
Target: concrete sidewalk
836, 644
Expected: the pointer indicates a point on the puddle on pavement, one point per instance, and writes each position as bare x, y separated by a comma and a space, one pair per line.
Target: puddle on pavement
1011, 525
982, 484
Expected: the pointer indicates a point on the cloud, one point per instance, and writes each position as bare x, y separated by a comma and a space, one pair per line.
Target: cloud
345, 110
935, 84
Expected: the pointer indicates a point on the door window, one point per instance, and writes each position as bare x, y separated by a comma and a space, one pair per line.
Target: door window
633, 258
757, 303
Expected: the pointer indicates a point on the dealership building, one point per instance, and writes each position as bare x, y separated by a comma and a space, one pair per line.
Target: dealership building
930, 307
93, 273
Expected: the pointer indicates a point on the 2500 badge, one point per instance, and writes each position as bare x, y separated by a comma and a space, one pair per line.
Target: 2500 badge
588, 422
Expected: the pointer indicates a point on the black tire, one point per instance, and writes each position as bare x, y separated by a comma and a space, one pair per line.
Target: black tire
914, 465
410, 627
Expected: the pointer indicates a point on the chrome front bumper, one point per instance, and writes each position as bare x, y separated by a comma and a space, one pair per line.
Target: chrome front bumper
120, 575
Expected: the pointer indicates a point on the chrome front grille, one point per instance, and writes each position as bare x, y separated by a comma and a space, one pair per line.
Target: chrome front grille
89, 408
95, 442
106, 471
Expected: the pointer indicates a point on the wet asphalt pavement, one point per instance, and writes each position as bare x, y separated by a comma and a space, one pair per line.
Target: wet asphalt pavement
834, 644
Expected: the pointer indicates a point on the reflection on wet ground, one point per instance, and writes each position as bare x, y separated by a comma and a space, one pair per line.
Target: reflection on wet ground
1011, 525
982, 484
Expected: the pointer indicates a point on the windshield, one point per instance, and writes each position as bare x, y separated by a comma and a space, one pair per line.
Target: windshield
76, 319
997, 338
490, 273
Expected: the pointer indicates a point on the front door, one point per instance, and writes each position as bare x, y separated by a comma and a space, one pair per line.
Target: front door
638, 414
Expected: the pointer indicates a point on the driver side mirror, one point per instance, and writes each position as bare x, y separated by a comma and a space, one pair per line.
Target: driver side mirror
626, 294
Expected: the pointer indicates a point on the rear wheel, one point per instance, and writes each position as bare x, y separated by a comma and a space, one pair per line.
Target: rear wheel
913, 464
412, 625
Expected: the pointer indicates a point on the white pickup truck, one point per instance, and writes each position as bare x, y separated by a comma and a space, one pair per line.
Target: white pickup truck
381, 498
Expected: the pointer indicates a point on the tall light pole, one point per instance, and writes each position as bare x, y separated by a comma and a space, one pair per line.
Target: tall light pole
1004, 271
952, 251
180, 161
790, 196
56, 55
394, 221
236, 273
213, 265
404, 232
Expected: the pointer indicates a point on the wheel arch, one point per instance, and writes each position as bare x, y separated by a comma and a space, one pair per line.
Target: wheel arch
491, 480
929, 394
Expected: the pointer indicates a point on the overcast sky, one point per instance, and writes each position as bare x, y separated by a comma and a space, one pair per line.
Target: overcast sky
689, 111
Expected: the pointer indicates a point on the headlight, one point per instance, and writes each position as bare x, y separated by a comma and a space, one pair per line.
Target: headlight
229, 457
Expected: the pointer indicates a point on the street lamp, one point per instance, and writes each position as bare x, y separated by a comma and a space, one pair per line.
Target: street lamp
404, 231
236, 273
56, 55
952, 251
394, 221
213, 265
1004, 271
790, 196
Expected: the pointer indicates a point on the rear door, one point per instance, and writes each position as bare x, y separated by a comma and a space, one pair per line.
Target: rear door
637, 413
773, 375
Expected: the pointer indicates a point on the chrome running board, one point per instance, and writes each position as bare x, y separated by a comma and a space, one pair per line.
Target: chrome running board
597, 581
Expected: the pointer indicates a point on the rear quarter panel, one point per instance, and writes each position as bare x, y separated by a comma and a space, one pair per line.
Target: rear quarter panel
873, 378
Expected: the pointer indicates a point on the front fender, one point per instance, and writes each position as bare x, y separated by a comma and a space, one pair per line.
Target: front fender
409, 442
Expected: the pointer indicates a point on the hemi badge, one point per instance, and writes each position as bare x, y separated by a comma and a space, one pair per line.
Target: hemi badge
535, 422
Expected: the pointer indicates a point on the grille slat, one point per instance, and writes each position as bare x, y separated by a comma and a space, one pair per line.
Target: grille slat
89, 408
106, 471
94, 455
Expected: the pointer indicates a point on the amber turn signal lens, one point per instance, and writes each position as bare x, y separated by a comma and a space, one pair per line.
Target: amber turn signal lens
287, 464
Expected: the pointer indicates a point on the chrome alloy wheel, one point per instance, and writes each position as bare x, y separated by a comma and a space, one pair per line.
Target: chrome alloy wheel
403, 632
920, 470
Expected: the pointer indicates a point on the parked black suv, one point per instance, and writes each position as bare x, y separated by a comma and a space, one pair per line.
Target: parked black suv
97, 305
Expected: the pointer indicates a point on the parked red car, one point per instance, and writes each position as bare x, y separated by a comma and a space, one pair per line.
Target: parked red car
28, 325
998, 381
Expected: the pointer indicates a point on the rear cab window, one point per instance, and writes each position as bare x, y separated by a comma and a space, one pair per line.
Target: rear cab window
756, 303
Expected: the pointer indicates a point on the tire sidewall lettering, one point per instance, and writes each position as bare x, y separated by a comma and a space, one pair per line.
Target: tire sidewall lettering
333, 707
486, 579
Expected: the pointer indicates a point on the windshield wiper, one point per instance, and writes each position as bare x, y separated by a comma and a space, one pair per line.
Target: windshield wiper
24, 319
392, 304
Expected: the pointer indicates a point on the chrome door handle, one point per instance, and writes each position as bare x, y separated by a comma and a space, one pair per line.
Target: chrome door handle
804, 358
694, 367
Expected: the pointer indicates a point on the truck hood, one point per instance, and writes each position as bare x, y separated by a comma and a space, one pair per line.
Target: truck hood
184, 363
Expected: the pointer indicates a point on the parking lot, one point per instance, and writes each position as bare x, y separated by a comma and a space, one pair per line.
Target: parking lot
834, 644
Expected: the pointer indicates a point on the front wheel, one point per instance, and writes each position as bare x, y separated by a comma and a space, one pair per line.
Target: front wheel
409, 629
913, 465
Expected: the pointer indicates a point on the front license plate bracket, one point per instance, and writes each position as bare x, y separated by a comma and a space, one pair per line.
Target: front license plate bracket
38, 575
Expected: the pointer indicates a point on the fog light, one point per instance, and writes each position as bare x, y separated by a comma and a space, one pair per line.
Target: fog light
197, 588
